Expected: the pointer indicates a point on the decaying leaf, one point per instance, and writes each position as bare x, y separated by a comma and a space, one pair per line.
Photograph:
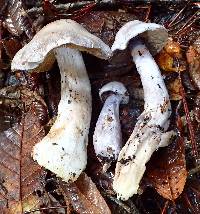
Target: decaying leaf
21, 179
166, 58
11, 46
84, 196
193, 58
17, 20
189, 201
167, 171
105, 24
174, 89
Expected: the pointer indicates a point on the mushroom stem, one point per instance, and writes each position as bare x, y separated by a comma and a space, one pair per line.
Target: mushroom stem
107, 138
149, 133
155, 93
107, 135
66, 142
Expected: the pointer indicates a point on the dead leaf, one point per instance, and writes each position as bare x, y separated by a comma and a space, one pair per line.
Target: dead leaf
21, 179
167, 63
17, 20
11, 46
167, 171
3, 5
84, 196
173, 48
193, 58
105, 24
174, 89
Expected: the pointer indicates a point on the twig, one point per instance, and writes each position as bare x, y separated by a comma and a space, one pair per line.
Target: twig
121, 204
68, 6
165, 207
194, 171
177, 15
187, 114
44, 208
189, 204
188, 23
148, 13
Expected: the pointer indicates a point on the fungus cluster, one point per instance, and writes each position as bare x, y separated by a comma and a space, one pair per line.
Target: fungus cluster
64, 149
107, 138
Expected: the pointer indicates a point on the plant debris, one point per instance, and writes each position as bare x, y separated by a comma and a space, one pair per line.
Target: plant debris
168, 175
21, 180
28, 104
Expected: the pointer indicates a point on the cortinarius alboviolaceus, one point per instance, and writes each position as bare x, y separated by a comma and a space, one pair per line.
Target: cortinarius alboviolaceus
64, 149
150, 131
107, 138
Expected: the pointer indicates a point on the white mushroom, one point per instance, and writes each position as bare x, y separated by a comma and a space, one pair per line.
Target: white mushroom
107, 138
64, 149
150, 131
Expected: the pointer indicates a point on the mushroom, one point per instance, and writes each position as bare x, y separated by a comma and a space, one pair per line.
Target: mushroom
107, 138
64, 149
150, 131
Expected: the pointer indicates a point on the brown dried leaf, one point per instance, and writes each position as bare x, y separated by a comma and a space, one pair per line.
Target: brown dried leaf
174, 89
17, 20
166, 62
3, 5
167, 171
21, 179
11, 46
85, 197
105, 24
193, 58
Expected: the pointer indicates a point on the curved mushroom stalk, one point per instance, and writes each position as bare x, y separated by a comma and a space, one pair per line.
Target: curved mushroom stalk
156, 97
133, 157
150, 131
65, 144
148, 134
107, 138
63, 150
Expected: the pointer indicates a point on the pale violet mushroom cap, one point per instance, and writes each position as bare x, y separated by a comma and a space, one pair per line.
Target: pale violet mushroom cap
63, 32
155, 35
117, 88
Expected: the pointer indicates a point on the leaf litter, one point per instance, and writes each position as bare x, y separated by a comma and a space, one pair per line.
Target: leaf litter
24, 112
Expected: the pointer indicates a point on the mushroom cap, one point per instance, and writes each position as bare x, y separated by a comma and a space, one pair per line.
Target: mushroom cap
155, 35
117, 88
64, 32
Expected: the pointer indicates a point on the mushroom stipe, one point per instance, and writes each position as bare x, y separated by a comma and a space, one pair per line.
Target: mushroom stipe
150, 131
64, 149
107, 138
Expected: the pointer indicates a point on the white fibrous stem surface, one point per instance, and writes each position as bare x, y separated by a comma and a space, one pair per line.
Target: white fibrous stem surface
150, 131
107, 137
64, 149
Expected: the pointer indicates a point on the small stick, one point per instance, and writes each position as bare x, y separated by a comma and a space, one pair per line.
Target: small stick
68, 6
165, 207
187, 114
189, 204
194, 171
44, 208
177, 15
121, 204
59, 7
188, 24
148, 13
83, 11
